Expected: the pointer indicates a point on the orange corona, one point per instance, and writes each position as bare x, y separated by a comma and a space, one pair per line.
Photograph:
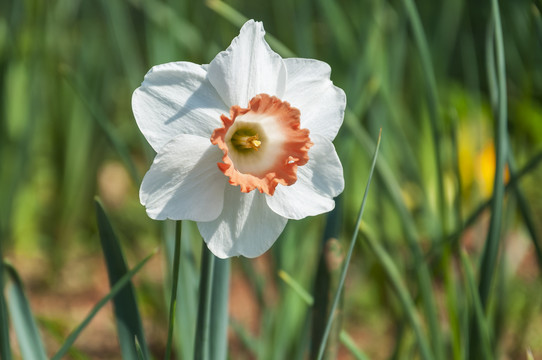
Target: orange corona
263, 144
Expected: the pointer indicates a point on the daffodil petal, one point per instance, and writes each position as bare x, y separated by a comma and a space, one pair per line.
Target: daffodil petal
318, 182
184, 182
247, 67
176, 98
310, 89
245, 227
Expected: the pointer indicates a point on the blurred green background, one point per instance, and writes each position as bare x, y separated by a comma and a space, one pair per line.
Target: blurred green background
423, 71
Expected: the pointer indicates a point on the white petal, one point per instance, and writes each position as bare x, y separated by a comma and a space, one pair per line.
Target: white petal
246, 226
176, 98
248, 67
184, 182
318, 182
310, 89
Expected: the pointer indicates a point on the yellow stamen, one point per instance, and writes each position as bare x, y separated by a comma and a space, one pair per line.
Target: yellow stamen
256, 144
243, 141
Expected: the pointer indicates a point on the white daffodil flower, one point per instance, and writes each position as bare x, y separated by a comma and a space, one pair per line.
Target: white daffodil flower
243, 144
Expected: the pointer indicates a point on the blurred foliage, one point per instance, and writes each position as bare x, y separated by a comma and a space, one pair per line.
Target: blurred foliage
67, 133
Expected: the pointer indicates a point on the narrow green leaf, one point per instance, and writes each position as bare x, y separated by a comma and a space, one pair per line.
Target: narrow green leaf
436, 126
349, 254
303, 294
452, 307
187, 283
400, 288
5, 348
526, 212
342, 33
119, 285
125, 304
349, 343
436, 130
481, 321
238, 19
22, 318
326, 284
249, 341
202, 341
344, 337
522, 201
175, 281
140, 354
389, 181
122, 30
99, 115
219, 309
455, 236
491, 248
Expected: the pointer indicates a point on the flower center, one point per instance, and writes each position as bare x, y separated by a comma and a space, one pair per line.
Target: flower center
246, 139
263, 144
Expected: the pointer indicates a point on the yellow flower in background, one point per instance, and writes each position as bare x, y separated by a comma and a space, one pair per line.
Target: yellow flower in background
485, 169
477, 162
243, 144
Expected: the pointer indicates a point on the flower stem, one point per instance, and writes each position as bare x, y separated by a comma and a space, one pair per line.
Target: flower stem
219, 309
175, 281
202, 346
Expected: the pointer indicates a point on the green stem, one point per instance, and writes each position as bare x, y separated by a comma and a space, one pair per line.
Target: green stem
219, 309
202, 345
175, 281
493, 238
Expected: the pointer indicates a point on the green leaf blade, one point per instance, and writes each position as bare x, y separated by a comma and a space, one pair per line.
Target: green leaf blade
349, 254
126, 310
22, 318
119, 285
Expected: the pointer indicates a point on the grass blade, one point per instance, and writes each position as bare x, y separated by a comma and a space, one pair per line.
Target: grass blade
436, 130
483, 328
435, 122
349, 254
175, 281
491, 249
454, 237
99, 115
238, 19
525, 211
296, 287
202, 343
326, 281
119, 285
349, 343
126, 311
140, 353
5, 348
402, 293
219, 309
23, 321
344, 337
522, 201
411, 233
